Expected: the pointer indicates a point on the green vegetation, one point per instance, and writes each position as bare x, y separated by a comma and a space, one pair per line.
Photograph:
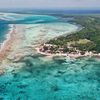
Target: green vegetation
83, 45
87, 39
65, 50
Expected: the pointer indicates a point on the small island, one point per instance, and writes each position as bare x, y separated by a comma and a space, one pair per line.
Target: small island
85, 42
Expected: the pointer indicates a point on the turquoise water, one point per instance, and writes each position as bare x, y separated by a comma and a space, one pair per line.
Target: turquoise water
13, 18
57, 79
41, 78
3, 31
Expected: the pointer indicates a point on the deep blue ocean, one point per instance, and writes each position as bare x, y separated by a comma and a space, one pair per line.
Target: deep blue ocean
43, 79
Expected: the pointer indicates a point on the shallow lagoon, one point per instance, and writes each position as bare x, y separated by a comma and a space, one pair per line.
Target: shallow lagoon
57, 79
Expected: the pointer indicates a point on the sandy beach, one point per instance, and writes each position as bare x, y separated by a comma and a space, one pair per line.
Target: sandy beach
6, 45
69, 55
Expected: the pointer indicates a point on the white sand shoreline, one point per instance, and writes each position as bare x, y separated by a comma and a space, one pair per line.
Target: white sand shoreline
8, 35
69, 55
6, 44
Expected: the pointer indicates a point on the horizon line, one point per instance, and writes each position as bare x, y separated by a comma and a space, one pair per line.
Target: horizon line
69, 8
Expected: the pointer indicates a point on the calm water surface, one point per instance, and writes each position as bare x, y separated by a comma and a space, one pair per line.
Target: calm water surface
43, 79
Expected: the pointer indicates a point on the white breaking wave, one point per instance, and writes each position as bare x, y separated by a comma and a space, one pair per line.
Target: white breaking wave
12, 16
16, 17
